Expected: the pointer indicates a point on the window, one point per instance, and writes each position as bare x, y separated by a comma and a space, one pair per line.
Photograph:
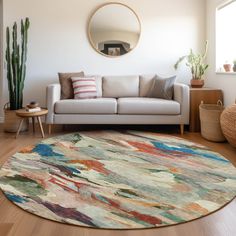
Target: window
226, 36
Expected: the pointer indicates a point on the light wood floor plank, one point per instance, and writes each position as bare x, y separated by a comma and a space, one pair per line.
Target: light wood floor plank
5, 228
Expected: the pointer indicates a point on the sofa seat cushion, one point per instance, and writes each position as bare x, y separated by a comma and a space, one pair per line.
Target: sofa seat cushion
148, 106
87, 106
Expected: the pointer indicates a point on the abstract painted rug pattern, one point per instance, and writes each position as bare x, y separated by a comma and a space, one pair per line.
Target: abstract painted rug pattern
119, 180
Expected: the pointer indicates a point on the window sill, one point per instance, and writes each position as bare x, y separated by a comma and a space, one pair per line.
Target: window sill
225, 73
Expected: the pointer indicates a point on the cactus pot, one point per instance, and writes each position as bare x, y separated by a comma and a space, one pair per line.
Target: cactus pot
12, 122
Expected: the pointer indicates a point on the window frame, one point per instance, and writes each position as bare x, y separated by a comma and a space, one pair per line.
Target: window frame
221, 6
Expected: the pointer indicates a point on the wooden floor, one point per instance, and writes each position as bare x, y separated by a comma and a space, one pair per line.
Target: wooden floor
14, 221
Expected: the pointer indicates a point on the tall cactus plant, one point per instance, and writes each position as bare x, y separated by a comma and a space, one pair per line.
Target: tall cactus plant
16, 57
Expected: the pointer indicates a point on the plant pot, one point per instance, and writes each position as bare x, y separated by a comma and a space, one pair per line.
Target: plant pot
12, 122
234, 68
227, 67
197, 83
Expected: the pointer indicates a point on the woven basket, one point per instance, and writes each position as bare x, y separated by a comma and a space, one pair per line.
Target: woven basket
228, 124
12, 121
210, 121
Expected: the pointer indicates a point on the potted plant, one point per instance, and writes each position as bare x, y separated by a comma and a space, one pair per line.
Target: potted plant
227, 66
16, 56
234, 67
196, 63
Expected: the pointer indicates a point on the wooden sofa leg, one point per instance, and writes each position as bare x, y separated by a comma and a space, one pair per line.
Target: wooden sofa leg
49, 129
181, 129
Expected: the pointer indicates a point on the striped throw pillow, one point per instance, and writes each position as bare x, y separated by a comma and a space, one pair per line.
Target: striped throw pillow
84, 87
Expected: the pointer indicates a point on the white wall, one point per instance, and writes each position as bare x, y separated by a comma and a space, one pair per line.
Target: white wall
58, 39
226, 82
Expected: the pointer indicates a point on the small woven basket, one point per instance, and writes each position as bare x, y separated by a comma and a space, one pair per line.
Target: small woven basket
228, 124
210, 121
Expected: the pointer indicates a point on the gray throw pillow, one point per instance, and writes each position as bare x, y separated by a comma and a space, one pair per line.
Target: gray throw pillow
162, 88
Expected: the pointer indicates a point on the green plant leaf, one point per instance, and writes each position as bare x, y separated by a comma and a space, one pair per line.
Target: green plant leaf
196, 62
16, 57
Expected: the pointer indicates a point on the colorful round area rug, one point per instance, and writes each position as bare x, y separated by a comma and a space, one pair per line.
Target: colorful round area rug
118, 180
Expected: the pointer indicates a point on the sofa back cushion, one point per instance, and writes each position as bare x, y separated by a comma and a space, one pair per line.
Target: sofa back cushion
145, 83
120, 86
67, 91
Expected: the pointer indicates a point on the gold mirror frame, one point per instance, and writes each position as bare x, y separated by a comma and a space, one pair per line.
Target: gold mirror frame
89, 28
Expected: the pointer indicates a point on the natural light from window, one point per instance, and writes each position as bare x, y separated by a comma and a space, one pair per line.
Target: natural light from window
226, 37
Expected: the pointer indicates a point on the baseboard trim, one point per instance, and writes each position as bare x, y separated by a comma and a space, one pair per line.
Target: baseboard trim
1, 119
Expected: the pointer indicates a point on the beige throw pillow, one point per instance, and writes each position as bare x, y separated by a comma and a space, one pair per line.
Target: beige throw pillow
67, 91
162, 88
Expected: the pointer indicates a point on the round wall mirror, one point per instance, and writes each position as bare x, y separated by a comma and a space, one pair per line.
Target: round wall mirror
114, 29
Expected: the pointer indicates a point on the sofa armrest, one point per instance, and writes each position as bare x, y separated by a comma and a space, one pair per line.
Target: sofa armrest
181, 95
53, 95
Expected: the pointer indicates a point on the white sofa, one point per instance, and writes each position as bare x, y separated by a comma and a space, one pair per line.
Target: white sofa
121, 100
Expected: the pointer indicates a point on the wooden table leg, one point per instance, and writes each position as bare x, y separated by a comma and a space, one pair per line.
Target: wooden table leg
181, 129
33, 123
49, 129
19, 128
40, 125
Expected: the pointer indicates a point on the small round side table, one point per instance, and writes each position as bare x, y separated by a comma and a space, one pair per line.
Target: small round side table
26, 115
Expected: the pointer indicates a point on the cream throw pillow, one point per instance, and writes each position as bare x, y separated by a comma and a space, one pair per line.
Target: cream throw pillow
84, 87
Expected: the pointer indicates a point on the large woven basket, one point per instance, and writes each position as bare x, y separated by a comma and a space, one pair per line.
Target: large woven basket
210, 121
228, 124
12, 121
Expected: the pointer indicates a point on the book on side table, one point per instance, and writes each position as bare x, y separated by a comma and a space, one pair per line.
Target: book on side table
35, 109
